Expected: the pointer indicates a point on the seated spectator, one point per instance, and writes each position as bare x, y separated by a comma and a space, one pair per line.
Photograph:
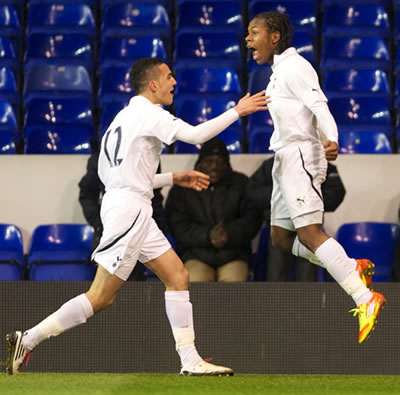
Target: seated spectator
91, 191
213, 228
279, 263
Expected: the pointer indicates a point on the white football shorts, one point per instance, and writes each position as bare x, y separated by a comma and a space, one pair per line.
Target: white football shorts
129, 233
298, 172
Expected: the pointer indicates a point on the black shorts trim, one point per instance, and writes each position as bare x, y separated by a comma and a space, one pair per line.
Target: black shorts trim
120, 236
310, 176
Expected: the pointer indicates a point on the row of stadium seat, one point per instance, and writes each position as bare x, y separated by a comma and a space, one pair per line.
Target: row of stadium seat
62, 251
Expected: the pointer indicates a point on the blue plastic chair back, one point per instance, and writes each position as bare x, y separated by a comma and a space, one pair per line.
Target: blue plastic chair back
210, 15
207, 50
222, 83
301, 13
115, 51
260, 121
8, 53
357, 82
51, 81
364, 142
10, 24
259, 142
258, 79
8, 118
7, 143
58, 139
108, 112
62, 271
10, 272
11, 244
8, 85
355, 52
41, 113
61, 242
385, 3
371, 240
61, 18
362, 113
133, 19
115, 85
356, 20
66, 48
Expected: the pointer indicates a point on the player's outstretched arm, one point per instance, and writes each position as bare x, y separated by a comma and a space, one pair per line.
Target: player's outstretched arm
191, 179
249, 104
207, 130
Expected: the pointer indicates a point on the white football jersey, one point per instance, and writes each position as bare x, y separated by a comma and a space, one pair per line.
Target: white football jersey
294, 88
131, 146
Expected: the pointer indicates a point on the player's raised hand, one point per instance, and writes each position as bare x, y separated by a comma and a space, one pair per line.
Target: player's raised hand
252, 103
191, 179
331, 150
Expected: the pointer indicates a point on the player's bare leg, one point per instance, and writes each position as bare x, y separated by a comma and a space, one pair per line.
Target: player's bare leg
171, 271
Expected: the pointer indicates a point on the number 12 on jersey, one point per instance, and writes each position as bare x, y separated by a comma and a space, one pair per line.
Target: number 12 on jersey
111, 147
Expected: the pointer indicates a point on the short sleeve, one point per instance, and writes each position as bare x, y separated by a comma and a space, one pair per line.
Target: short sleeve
164, 126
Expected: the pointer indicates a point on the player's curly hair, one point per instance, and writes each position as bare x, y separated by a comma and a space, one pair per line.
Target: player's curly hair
142, 72
277, 22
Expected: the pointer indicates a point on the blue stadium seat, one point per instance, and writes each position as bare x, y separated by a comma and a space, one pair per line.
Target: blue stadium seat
7, 143
58, 139
10, 21
207, 50
108, 112
9, 53
12, 261
364, 142
132, 19
91, 3
355, 52
229, 136
8, 118
61, 18
396, 65
209, 16
59, 49
52, 81
357, 82
258, 79
61, 243
371, 240
168, 4
195, 111
356, 20
362, 113
59, 271
41, 113
259, 142
301, 13
260, 121
124, 51
385, 3
207, 82
8, 85
115, 85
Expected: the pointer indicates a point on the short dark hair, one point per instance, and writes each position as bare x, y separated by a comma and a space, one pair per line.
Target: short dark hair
141, 71
277, 22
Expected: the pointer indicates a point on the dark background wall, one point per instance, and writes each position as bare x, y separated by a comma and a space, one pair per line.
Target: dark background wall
292, 328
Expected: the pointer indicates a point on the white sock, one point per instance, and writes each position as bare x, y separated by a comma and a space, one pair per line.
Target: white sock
342, 269
180, 316
71, 314
302, 251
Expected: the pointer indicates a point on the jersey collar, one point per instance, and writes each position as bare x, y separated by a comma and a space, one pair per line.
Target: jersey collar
285, 54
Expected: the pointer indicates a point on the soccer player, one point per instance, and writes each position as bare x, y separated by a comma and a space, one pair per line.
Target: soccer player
305, 136
128, 160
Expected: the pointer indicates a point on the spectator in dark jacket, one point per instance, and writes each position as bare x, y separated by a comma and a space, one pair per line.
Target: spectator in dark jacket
259, 191
91, 191
213, 228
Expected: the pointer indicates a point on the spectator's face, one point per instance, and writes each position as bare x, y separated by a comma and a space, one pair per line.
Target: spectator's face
261, 41
164, 86
215, 166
